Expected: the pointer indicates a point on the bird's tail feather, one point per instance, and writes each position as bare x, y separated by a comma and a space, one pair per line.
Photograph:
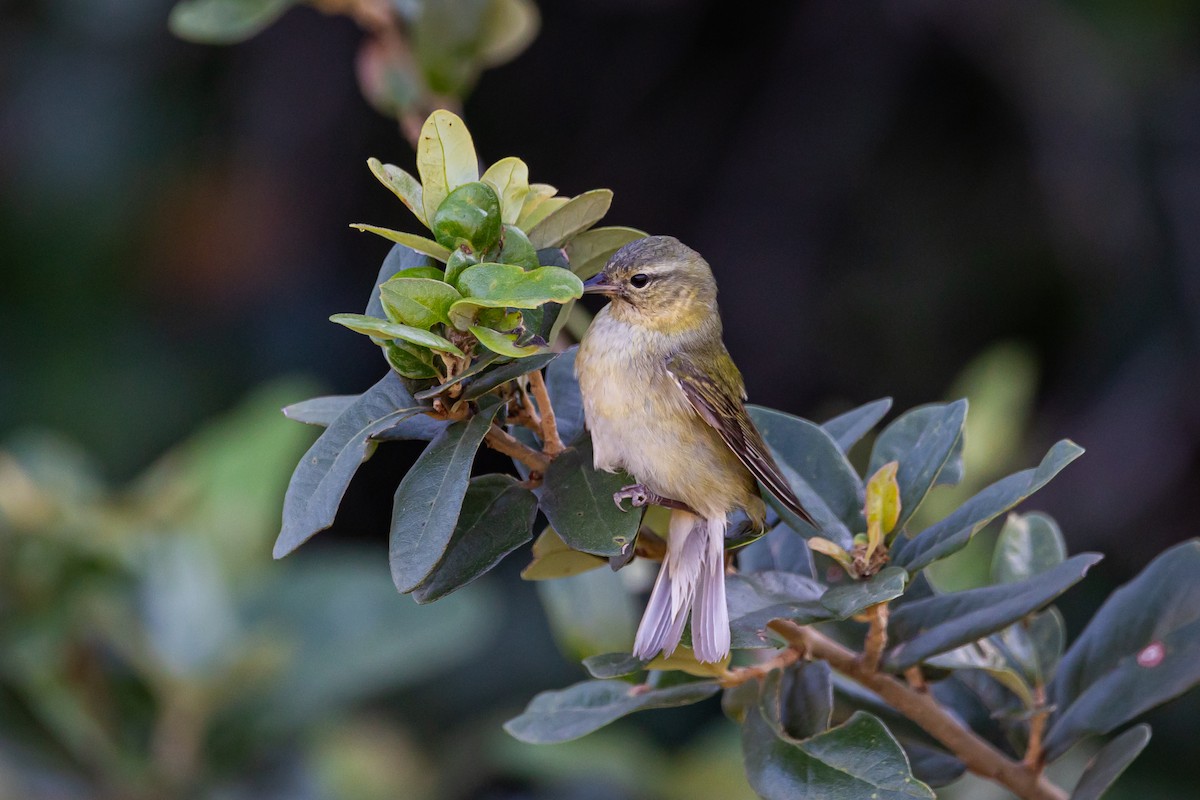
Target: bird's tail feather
692, 579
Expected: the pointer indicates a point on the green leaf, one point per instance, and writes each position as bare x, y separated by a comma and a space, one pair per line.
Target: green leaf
445, 159
754, 600
223, 21
552, 558
484, 382
563, 388
1028, 544
952, 533
411, 240
508, 27
517, 249
409, 360
403, 185
818, 472
383, 329
851, 598
922, 440
469, 218
510, 178
798, 701
613, 665
401, 261
1141, 649
846, 429
576, 215
782, 549
321, 477
1107, 765
504, 343
567, 714
856, 760
941, 623
589, 613
496, 518
539, 202
319, 410
419, 302
577, 500
589, 251
426, 507
985, 655
508, 286
1035, 645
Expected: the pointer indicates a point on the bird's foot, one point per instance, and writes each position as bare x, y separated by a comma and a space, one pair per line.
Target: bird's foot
638, 496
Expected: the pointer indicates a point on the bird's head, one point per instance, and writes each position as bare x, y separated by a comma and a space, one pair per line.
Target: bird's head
660, 283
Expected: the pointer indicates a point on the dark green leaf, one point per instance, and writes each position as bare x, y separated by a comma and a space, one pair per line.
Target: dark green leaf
428, 501
1028, 544
577, 215
782, 549
1035, 645
481, 363
846, 429
410, 360
565, 396
934, 767
613, 665
1107, 765
798, 701
492, 378
944, 622
856, 760
754, 600
922, 440
517, 249
560, 716
951, 534
420, 302
851, 598
577, 500
496, 518
325, 471
223, 21
1141, 649
319, 410
825, 483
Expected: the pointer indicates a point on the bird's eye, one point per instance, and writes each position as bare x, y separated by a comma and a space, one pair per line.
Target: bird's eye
639, 281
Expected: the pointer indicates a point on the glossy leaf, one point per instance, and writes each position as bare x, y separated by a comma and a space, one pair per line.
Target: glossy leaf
566, 714
952, 533
510, 178
321, 477
577, 500
883, 505
538, 194
1028, 544
223, 21
754, 600
855, 760
517, 249
818, 472
798, 701
922, 441
403, 185
1107, 765
848, 599
985, 655
410, 361
382, 329
577, 215
552, 558
504, 344
485, 381
613, 665
427, 503
411, 240
508, 286
469, 218
496, 518
941, 623
540, 210
445, 158
403, 262
589, 251
846, 429
419, 302
1141, 649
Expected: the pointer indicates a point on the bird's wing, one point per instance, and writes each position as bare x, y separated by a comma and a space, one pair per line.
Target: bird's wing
718, 397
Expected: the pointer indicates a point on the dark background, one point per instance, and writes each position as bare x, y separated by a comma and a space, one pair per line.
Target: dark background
885, 191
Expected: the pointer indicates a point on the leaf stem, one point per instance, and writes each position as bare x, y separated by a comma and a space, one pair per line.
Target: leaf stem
498, 439
979, 756
876, 637
736, 677
1037, 726
552, 443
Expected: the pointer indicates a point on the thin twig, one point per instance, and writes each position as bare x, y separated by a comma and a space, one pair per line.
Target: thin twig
1037, 726
737, 677
498, 439
552, 443
876, 637
979, 756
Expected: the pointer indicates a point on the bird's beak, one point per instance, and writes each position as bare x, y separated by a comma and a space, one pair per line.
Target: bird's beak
598, 284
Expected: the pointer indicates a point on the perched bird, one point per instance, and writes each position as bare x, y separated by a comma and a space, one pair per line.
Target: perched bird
664, 401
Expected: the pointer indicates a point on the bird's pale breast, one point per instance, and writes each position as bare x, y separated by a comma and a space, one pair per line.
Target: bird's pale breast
641, 421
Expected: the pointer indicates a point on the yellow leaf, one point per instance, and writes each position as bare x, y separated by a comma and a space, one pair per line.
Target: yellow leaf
510, 178
684, 660
883, 505
828, 548
553, 559
445, 159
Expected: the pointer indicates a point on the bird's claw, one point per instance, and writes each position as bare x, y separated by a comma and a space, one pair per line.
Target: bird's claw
637, 495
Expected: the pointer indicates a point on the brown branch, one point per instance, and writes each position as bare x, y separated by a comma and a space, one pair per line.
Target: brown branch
498, 439
551, 441
1037, 726
876, 637
736, 677
979, 756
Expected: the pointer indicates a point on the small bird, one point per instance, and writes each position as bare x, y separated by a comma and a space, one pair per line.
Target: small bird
664, 401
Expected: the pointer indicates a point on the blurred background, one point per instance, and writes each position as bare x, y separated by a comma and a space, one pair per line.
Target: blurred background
922, 199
